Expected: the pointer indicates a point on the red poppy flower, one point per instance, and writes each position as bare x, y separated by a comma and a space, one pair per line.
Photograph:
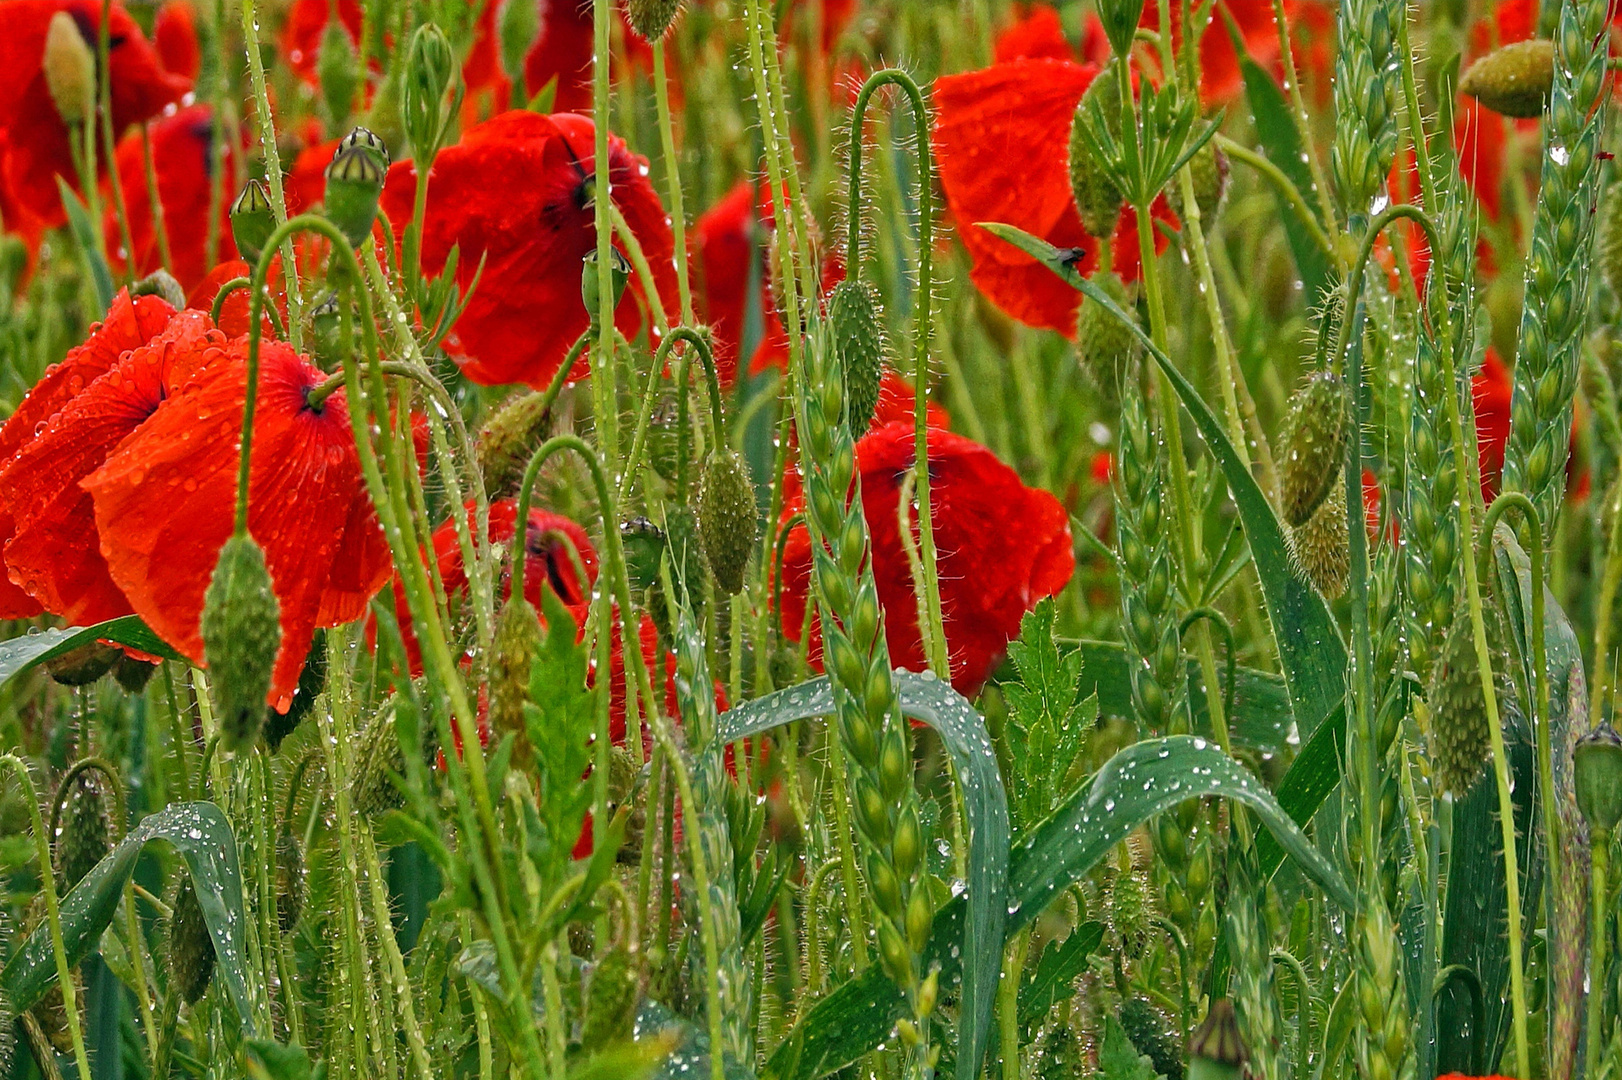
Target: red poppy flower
164, 505
36, 140
1000, 136
1002, 547
183, 159
305, 25
305, 184
1492, 389
174, 33
515, 192
726, 238
1035, 34
562, 51
1220, 79
129, 325
54, 554
897, 402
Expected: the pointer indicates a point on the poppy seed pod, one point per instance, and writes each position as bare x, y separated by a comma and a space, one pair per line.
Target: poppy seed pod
619, 274
366, 139
336, 69
354, 182
252, 220
241, 633
430, 67
289, 881
1315, 436
86, 829
1106, 348
1597, 764
70, 69
312, 679
191, 949
1321, 547
377, 759
853, 312
518, 640
1098, 200
1513, 80
1215, 1050
727, 518
513, 431
326, 331
652, 19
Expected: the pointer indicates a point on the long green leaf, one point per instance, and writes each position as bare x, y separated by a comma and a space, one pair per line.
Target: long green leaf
985, 805
202, 836
84, 234
37, 646
1137, 783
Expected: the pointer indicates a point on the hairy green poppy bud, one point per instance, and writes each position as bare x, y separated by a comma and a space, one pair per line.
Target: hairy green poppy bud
84, 665
312, 679
1129, 913
1513, 80
241, 633
652, 19
191, 949
289, 881
1098, 200
853, 312
354, 182
162, 284
1149, 1032
252, 221
133, 674
1120, 19
84, 839
8, 1017
611, 994
1321, 547
378, 759
664, 437
1597, 765
514, 430
70, 69
1215, 1050
727, 518
1106, 348
336, 66
430, 67
620, 273
1208, 168
518, 639
1459, 737
1315, 434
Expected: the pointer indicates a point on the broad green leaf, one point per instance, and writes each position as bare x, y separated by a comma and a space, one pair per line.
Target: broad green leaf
963, 732
1137, 783
202, 836
84, 234
37, 646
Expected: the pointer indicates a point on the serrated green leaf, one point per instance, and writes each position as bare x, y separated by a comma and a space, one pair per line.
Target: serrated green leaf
1056, 972
1118, 1059
21, 653
1048, 720
203, 838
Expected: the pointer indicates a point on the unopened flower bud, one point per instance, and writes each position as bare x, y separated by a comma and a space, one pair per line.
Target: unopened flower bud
1208, 169
1513, 80
241, 634
430, 67
1321, 547
289, 881
651, 19
518, 639
1098, 200
513, 431
252, 221
1106, 348
727, 518
853, 312
162, 284
1459, 736
86, 829
191, 949
70, 69
336, 66
1597, 763
1315, 435
518, 25
611, 995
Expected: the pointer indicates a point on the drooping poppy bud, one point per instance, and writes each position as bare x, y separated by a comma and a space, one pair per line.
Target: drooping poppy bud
312, 679
84, 665
133, 674
1321, 546
518, 640
1513, 80
241, 633
1315, 436
1216, 1051
664, 437
430, 66
853, 312
1208, 169
354, 182
620, 273
191, 949
512, 433
162, 284
1106, 348
377, 760
1098, 199
252, 221
86, 829
727, 518
289, 881
1459, 737
652, 19
70, 69
336, 68
611, 993
1597, 764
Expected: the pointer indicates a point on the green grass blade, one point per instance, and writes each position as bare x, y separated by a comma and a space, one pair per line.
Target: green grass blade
21, 653
84, 234
202, 836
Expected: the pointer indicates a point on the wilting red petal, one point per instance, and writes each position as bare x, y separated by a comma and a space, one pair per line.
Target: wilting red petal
174, 34
727, 239
514, 192
1001, 136
183, 159
1492, 390
164, 504
1001, 546
128, 324
55, 555
1035, 33
36, 139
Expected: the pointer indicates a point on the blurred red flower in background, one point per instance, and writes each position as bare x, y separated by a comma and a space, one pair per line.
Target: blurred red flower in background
164, 503
726, 239
515, 191
174, 35
1002, 547
1492, 387
35, 140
